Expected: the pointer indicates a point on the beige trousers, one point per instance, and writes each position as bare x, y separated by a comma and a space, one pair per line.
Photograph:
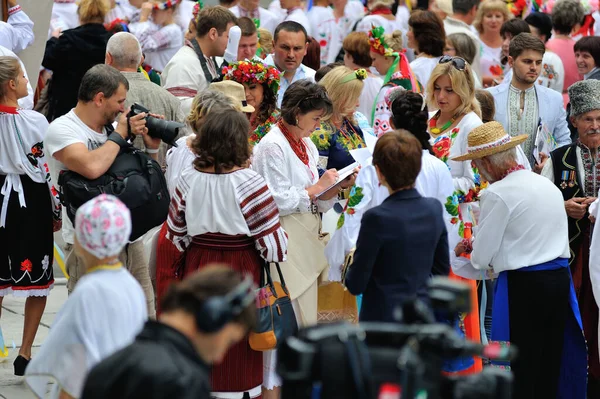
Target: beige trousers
133, 257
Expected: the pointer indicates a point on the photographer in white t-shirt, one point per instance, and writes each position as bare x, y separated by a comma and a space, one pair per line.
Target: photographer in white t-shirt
79, 142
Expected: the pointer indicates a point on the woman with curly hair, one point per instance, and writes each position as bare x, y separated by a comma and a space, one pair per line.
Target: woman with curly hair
223, 212
261, 83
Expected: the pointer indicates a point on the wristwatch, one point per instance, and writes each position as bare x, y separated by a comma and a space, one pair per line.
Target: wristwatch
118, 139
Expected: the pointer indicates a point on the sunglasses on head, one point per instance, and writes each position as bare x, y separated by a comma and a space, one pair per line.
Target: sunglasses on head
458, 62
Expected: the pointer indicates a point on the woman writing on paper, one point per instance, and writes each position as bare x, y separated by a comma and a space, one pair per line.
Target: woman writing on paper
287, 159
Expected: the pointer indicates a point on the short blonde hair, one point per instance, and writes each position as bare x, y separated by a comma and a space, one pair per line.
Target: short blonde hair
342, 94
488, 6
462, 84
92, 10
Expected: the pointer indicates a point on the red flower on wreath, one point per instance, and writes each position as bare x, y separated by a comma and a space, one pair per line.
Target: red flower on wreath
26, 266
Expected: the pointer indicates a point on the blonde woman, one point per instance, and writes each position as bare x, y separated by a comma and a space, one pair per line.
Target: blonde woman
491, 14
70, 55
451, 90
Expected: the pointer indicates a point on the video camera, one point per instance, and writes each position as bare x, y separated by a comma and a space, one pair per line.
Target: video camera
372, 360
167, 131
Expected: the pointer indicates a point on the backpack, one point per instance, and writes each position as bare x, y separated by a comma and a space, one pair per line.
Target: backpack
134, 178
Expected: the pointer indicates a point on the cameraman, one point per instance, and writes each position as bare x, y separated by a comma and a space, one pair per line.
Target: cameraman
170, 358
81, 141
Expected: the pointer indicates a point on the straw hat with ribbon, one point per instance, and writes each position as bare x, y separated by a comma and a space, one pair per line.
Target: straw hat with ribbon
487, 139
235, 91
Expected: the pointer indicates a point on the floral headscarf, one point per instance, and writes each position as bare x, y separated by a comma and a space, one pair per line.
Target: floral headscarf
251, 71
103, 226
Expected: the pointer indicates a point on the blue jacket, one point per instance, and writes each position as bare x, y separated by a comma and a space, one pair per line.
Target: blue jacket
401, 243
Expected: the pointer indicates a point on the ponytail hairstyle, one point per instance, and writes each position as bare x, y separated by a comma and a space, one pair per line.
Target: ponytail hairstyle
9, 70
409, 112
92, 11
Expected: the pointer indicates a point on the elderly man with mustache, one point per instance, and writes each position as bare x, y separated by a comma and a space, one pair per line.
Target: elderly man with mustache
574, 169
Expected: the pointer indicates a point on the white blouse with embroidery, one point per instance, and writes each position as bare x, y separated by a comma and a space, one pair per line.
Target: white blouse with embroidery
286, 175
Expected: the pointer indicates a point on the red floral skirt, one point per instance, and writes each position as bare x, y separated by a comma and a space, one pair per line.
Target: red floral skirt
242, 367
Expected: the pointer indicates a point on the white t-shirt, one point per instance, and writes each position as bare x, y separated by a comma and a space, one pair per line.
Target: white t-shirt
63, 132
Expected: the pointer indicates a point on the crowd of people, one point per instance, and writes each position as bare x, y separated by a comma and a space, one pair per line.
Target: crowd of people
359, 148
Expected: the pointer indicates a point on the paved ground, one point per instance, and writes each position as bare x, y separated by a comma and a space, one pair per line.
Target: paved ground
11, 322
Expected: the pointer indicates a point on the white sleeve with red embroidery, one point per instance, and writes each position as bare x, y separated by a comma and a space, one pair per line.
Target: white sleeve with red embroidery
17, 33
262, 216
176, 224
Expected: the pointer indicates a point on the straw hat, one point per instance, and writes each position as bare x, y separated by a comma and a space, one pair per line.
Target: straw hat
487, 139
235, 91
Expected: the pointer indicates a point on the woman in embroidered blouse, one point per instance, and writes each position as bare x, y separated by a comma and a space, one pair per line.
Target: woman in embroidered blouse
287, 159
345, 129
389, 61
30, 210
223, 212
451, 90
261, 83
180, 159
491, 14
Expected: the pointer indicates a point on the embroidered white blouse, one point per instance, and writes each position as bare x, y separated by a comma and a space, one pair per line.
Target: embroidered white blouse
159, 44
286, 175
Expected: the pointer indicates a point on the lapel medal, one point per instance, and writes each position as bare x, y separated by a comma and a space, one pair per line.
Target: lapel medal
564, 176
572, 179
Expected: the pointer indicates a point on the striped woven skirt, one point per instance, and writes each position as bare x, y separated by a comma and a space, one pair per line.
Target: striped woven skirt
242, 368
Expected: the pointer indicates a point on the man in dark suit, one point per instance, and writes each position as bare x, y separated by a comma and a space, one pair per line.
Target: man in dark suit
403, 241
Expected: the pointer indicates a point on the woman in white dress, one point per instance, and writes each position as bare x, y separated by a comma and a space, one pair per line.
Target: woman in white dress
427, 38
491, 14
380, 14
288, 159
104, 313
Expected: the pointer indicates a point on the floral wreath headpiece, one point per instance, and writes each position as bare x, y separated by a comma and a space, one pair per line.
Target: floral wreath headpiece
251, 71
360, 74
166, 4
377, 41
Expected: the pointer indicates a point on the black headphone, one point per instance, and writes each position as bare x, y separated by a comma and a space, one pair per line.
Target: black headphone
217, 311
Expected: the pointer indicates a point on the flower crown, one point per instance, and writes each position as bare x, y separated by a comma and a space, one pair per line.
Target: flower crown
166, 4
377, 41
253, 72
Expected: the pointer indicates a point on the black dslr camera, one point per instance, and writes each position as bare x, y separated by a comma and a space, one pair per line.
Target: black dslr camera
167, 131
344, 361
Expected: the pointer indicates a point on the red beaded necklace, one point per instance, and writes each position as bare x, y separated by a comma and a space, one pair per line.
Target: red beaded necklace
298, 146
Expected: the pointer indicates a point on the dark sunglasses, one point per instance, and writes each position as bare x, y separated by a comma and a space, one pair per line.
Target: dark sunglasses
458, 62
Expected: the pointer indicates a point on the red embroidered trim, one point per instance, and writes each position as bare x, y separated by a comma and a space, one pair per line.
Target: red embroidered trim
513, 169
8, 110
179, 91
14, 10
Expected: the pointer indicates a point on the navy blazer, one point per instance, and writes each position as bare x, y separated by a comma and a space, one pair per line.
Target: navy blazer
401, 243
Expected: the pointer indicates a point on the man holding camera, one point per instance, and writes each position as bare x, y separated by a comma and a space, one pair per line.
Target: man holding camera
81, 141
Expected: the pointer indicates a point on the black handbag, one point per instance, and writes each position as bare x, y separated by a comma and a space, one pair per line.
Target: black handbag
276, 319
135, 178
